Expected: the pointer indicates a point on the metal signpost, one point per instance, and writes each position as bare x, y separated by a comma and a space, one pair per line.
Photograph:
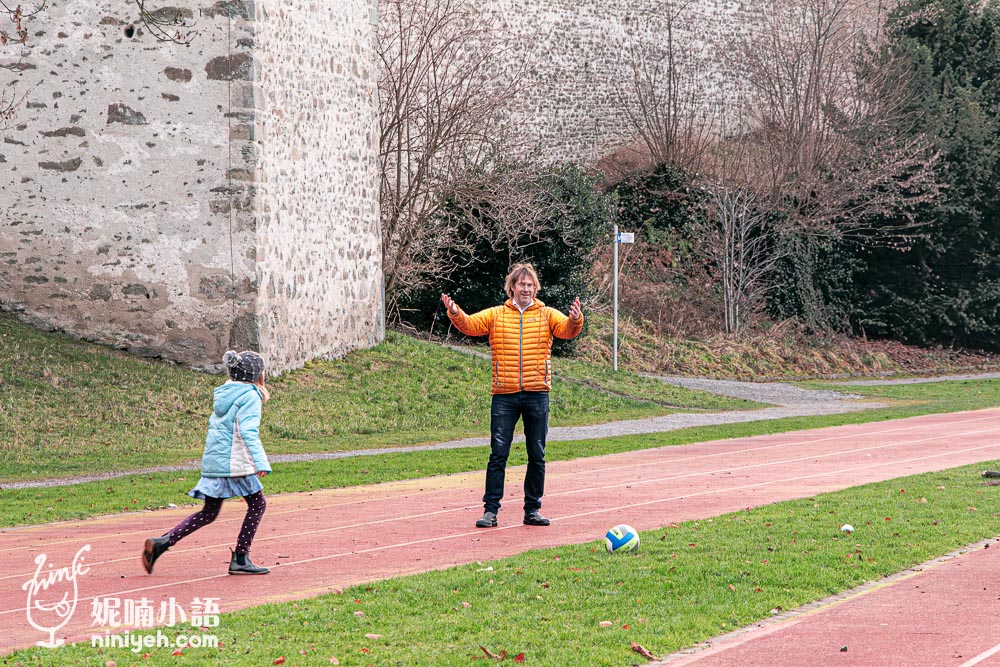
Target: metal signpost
620, 237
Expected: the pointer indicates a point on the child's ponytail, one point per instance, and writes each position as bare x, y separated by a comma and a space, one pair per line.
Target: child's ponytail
231, 359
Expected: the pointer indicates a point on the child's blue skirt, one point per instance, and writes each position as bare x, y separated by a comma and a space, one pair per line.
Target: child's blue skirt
226, 487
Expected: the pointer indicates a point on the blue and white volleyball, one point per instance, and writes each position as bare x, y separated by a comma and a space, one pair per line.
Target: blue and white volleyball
622, 538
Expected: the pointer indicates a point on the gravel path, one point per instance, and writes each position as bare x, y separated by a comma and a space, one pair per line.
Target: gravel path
940, 378
774, 393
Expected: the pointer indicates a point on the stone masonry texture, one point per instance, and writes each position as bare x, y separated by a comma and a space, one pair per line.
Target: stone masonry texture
180, 200
572, 59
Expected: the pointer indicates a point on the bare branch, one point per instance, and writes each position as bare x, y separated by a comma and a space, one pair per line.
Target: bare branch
18, 17
660, 90
166, 24
10, 103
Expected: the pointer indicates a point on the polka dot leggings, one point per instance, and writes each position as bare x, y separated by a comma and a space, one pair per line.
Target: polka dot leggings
256, 504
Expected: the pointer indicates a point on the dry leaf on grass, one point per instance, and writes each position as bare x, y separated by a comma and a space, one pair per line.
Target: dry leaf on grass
643, 651
502, 655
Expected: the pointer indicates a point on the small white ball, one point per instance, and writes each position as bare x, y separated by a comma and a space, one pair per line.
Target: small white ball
847, 529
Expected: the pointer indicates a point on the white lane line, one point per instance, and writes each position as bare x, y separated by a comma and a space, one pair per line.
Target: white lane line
591, 489
794, 443
982, 656
555, 475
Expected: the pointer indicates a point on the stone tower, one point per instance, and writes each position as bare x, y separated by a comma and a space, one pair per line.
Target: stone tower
180, 200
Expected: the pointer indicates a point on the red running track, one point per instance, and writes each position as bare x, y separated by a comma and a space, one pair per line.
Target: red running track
324, 541
946, 613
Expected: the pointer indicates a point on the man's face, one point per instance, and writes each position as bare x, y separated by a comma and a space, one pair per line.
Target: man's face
524, 291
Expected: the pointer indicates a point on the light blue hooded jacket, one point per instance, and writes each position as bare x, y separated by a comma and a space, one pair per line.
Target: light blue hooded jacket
232, 446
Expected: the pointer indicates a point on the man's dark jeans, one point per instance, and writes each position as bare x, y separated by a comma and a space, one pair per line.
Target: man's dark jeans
533, 407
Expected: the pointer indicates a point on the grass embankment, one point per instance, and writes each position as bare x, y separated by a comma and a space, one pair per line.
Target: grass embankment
777, 351
688, 583
71, 408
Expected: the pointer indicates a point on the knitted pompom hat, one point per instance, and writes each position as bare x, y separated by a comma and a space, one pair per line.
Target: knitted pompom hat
245, 366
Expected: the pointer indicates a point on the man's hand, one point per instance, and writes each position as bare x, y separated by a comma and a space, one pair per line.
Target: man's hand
574, 310
451, 305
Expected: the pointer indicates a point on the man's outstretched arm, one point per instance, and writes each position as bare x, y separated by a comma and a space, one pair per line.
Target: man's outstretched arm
470, 325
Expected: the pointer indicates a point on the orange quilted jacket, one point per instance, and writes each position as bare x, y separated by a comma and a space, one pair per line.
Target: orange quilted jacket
521, 344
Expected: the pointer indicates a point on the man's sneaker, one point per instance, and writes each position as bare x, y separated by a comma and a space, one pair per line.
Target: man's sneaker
535, 519
240, 564
489, 520
153, 549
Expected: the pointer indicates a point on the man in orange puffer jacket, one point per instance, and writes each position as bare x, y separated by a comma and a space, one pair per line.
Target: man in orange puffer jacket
521, 332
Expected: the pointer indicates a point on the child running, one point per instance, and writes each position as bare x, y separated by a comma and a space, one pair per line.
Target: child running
232, 465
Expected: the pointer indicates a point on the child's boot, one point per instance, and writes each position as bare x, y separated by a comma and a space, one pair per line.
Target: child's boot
153, 549
240, 564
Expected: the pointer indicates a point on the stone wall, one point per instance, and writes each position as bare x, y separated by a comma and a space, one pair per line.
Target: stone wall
319, 251
179, 200
575, 54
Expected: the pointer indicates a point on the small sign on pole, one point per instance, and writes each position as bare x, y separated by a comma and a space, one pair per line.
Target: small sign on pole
620, 237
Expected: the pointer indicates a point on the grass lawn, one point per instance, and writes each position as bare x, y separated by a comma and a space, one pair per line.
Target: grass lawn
578, 605
151, 491
72, 408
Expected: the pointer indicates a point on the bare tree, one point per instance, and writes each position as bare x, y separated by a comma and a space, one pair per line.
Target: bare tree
811, 138
830, 113
442, 97
739, 236
662, 93
745, 251
168, 24
14, 34
819, 144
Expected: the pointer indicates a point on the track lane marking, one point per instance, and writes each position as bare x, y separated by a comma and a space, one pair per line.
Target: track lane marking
566, 474
605, 487
982, 656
